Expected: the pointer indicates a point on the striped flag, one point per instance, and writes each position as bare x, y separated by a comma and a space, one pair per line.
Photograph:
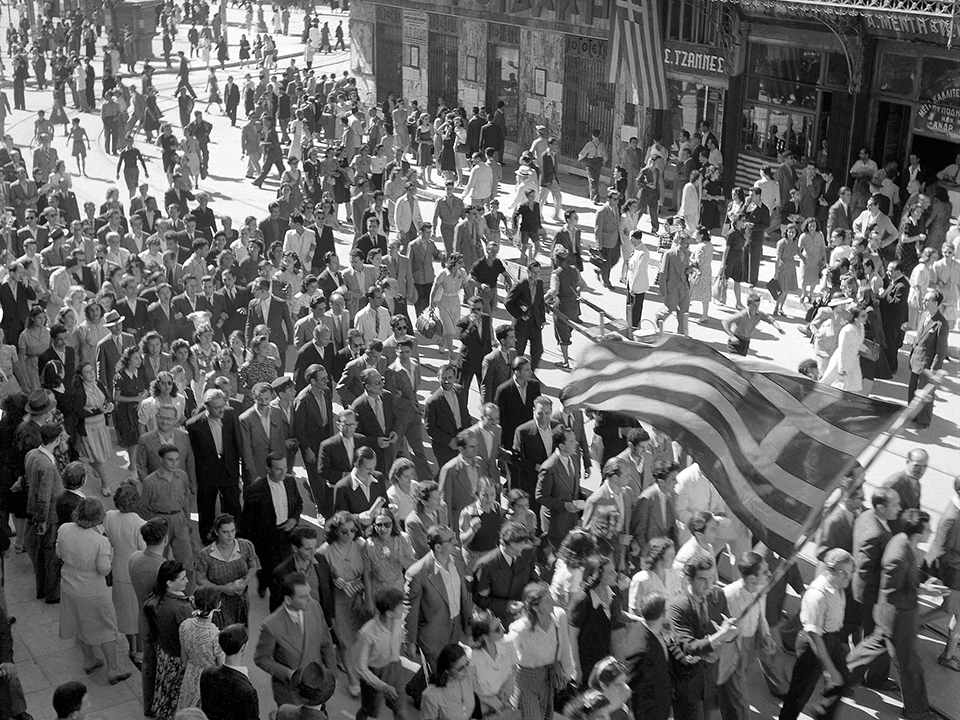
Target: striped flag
635, 37
772, 442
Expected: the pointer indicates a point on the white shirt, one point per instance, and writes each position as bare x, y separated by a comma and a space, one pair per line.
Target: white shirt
454, 403
537, 647
492, 674
278, 493
264, 420
295, 615
348, 444
546, 434
373, 325
738, 597
216, 429
361, 485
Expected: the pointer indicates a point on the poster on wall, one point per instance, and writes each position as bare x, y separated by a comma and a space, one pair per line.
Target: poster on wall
938, 120
361, 45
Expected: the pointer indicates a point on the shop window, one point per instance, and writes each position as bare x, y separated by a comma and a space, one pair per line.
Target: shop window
503, 62
691, 103
940, 81
896, 74
694, 21
786, 63
770, 131
781, 92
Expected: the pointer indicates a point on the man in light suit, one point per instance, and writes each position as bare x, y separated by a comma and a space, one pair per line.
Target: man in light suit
496, 367
267, 309
488, 436
110, 348
256, 441
674, 284
312, 425
459, 477
292, 636
431, 621
402, 380
929, 351
338, 320
501, 575
215, 439
650, 682
446, 415
558, 489
376, 418
532, 445
167, 433
653, 514
840, 215
268, 515
43, 486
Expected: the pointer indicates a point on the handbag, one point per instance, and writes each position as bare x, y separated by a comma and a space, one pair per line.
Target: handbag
870, 350
720, 289
429, 324
773, 285
564, 690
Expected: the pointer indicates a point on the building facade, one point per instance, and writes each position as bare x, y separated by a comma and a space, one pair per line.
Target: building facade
545, 61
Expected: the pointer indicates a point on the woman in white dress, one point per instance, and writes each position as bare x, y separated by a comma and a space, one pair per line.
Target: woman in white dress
657, 575
629, 221
122, 528
690, 202
843, 370
493, 660
445, 297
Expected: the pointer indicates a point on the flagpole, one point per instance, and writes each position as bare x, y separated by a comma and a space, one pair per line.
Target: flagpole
816, 517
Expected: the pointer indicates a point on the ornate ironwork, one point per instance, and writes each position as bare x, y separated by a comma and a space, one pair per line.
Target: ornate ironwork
729, 40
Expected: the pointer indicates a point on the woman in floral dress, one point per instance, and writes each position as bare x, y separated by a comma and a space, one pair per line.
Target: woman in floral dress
165, 610
344, 552
701, 281
387, 555
198, 642
91, 331
229, 564
34, 341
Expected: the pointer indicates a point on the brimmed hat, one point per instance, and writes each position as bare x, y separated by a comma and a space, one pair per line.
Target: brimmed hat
314, 684
280, 383
541, 129
112, 318
40, 402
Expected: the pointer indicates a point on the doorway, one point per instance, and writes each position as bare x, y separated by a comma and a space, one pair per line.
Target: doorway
935, 154
893, 131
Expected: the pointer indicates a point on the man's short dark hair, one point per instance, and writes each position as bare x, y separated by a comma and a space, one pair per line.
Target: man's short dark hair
68, 698
663, 468
435, 535
513, 531
699, 521
291, 582
301, 533
652, 606
637, 435
696, 565
232, 638
749, 563
912, 521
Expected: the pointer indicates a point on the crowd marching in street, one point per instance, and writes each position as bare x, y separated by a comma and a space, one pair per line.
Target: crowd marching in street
218, 354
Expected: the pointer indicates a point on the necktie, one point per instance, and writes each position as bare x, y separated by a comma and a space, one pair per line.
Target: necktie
376, 320
378, 409
323, 409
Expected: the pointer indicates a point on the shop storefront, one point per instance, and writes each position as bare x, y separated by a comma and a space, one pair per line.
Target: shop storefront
697, 84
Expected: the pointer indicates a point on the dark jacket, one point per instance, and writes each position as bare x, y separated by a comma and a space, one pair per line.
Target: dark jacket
650, 679
496, 584
210, 467
228, 694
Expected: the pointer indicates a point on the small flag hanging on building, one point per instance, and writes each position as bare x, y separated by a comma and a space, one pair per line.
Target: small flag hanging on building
635, 37
772, 442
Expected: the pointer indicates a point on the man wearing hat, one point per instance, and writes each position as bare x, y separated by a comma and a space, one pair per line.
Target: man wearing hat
110, 348
539, 145
315, 686
294, 636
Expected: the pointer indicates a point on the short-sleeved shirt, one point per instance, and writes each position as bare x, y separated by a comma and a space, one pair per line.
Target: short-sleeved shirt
384, 644
822, 607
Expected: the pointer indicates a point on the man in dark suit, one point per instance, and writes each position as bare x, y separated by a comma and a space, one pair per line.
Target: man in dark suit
235, 302
267, 309
177, 195
431, 624
695, 683
836, 530
273, 227
312, 425
110, 348
840, 215
330, 279
757, 213
132, 308
215, 439
526, 304
654, 515
61, 352
362, 492
337, 453
226, 692
267, 519
475, 336
304, 560
314, 686
871, 533
907, 481
515, 399
532, 445
160, 315
558, 490
319, 351
292, 636
350, 385
231, 100
495, 369
929, 351
898, 614
500, 576
16, 295
651, 684
446, 415
376, 418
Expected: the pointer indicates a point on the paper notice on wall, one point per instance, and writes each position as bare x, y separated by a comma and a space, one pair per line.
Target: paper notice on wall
534, 106
554, 91
469, 97
627, 132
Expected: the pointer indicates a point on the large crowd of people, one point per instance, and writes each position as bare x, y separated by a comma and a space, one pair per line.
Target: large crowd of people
214, 355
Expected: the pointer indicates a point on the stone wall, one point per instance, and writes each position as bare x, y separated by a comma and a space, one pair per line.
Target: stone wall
473, 47
541, 50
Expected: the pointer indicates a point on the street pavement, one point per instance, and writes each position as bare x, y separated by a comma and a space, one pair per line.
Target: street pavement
44, 661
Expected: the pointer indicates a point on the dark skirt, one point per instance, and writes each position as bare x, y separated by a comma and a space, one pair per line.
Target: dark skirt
127, 422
